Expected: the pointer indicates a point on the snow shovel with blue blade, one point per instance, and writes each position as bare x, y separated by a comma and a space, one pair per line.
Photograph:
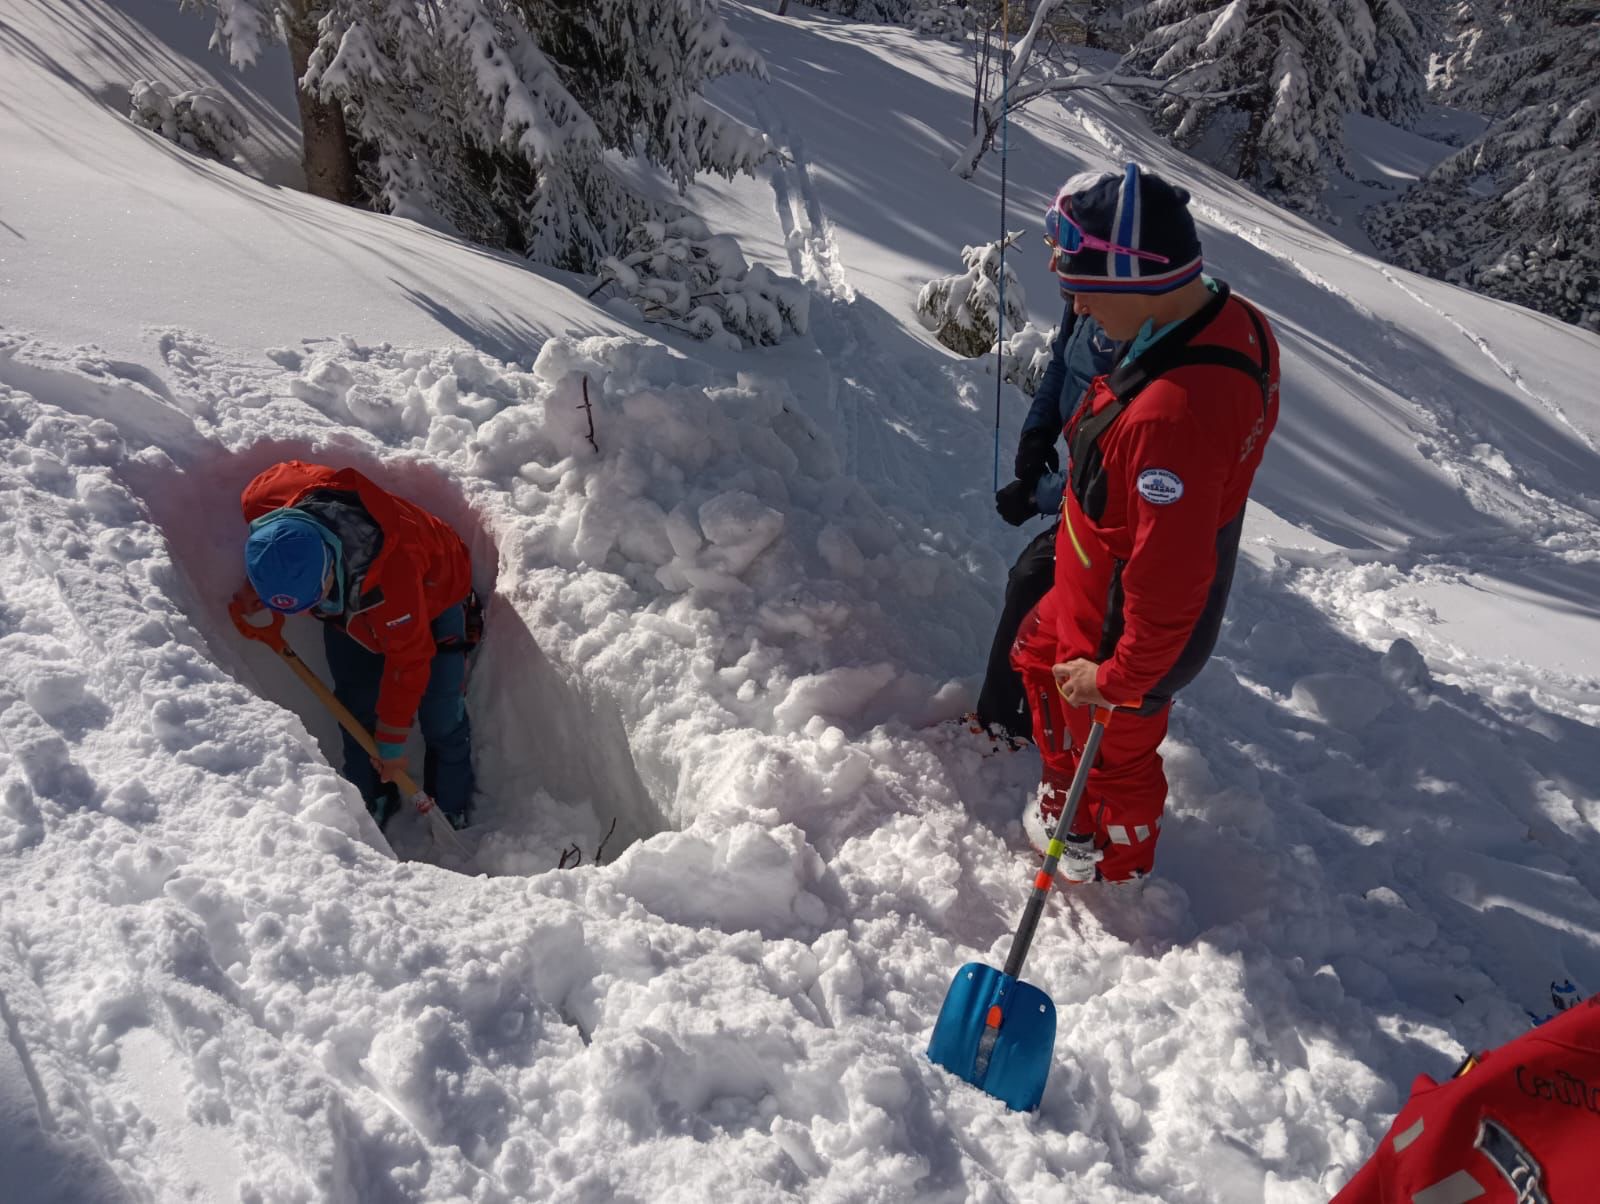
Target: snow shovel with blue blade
996, 1031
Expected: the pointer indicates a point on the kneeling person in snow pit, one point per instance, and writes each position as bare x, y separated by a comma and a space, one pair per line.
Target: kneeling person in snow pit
390, 584
1162, 451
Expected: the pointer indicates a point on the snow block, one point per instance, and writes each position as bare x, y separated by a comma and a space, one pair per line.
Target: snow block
1404, 669
1341, 699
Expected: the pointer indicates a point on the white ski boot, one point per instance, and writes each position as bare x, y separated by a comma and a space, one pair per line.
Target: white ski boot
1039, 817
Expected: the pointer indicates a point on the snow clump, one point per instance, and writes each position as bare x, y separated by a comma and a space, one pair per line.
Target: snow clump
201, 120
680, 274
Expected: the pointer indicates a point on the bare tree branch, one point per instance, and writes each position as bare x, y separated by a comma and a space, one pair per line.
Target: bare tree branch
598, 853
1016, 95
589, 410
966, 165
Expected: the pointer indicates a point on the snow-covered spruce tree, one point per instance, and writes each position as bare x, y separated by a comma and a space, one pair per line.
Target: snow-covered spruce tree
678, 273
884, 12
962, 310
1516, 213
1025, 357
202, 120
1479, 41
638, 68
952, 20
1296, 69
464, 110
242, 28
1394, 84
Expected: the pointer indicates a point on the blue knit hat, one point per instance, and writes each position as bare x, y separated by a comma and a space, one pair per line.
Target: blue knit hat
287, 560
1136, 210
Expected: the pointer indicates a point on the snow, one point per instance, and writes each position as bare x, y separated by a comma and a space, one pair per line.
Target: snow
721, 641
1381, 161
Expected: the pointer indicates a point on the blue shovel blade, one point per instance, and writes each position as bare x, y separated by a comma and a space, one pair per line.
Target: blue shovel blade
1019, 1060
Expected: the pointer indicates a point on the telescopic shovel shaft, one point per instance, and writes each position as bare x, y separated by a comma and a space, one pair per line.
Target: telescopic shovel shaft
1047, 872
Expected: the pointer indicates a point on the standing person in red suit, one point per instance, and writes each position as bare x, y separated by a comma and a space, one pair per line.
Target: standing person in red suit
1162, 450
1517, 1125
391, 585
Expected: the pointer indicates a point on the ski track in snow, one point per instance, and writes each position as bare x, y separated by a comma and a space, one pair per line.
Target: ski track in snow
1501, 362
808, 235
813, 257
1091, 125
1452, 422
864, 379
1259, 239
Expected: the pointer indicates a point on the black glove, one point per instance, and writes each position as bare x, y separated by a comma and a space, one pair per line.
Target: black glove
1036, 455
1014, 502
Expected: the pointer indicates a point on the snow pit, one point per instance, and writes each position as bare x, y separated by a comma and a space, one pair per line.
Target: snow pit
555, 774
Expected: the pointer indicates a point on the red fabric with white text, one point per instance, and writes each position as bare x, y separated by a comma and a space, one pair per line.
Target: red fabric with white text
1203, 427
1529, 1111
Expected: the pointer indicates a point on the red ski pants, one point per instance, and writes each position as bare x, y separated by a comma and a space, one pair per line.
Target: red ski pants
1127, 789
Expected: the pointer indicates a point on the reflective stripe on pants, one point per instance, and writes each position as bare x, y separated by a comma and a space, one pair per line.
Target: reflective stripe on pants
1127, 788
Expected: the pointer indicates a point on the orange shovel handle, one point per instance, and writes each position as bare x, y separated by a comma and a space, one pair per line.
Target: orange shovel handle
271, 634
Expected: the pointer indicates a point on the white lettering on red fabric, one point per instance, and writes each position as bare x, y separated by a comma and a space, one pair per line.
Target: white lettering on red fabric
1249, 444
1160, 486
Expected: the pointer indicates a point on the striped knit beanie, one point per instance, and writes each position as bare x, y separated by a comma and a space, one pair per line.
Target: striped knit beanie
1136, 209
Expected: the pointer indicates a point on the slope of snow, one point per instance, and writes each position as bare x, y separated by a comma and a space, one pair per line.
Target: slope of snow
112, 231
721, 638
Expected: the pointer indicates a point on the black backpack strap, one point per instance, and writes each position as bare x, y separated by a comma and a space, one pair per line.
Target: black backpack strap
1227, 357
1172, 351
1130, 379
1126, 382
1186, 354
1262, 371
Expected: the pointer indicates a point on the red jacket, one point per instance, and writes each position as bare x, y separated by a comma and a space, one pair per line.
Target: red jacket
1145, 551
1522, 1126
396, 585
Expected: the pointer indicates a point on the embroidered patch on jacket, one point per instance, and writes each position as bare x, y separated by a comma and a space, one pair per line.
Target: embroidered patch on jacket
396, 622
1160, 487
1513, 1161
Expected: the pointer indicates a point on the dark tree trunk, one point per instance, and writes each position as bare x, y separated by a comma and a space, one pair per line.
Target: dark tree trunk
330, 165
1272, 20
1250, 146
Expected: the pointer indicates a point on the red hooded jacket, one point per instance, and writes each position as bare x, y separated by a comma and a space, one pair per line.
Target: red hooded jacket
399, 578
1520, 1126
1154, 506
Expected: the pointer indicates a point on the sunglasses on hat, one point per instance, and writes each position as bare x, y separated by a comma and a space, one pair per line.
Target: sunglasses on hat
1065, 237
